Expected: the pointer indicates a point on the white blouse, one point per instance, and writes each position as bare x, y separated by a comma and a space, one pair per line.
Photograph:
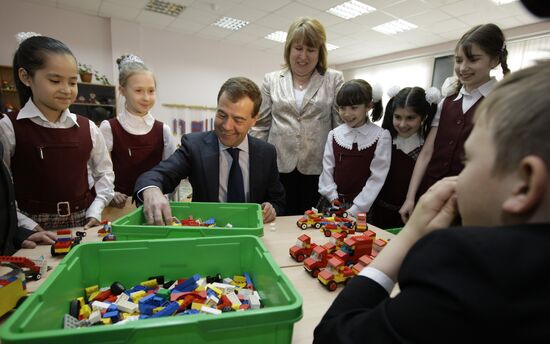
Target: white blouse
137, 125
408, 144
100, 167
469, 98
365, 136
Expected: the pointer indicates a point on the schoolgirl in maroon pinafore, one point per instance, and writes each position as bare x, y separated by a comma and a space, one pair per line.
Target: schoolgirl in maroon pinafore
408, 117
49, 149
479, 50
357, 153
136, 140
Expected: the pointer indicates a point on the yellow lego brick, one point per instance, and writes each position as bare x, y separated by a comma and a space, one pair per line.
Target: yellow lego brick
106, 321
196, 306
80, 301
150, 283
136, 296
91, 289
85, 311
158, 309
239, 279
93, 295
218, 291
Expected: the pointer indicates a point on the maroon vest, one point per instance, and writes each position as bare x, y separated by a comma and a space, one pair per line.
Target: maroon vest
454, 128
351, 169
385, 210
134, 154
50, 166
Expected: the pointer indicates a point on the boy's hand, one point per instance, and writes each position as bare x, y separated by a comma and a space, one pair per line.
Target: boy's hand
268, 212
119, 201
42, 238
156, 207
436, 209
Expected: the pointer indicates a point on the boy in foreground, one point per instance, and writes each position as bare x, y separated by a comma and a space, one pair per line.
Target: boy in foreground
487, 281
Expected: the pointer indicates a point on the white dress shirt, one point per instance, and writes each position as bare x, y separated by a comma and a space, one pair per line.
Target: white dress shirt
365, 136
99, 163
225, 165
468, 98
137, 125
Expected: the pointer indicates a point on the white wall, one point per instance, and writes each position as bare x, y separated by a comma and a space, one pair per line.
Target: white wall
88, 37
188, 70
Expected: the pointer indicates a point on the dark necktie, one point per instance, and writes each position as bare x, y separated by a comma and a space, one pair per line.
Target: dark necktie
235, 185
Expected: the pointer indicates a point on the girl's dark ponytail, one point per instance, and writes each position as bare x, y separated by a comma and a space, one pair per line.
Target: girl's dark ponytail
377, 110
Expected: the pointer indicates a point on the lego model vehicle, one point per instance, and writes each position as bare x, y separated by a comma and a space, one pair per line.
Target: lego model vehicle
353, 248
361, 222
336, 211
12, 288
317, 260
311, 218
33, 269
339, 225
335, 273
334, 242
362, 263
64, 243
302, 248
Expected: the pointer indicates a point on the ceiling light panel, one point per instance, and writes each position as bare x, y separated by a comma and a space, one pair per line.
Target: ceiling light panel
164, 7
394, 27
231, 23
277, 36
351, 9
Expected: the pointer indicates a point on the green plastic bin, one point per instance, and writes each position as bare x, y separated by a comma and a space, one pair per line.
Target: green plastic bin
40, 317
394, 231
246, 219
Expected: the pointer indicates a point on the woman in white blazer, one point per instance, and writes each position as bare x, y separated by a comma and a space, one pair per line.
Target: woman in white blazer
298, 110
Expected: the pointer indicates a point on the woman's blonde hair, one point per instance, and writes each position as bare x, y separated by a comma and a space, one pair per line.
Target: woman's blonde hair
310, 32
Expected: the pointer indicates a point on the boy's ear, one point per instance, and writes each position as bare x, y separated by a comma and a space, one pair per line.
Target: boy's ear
529, 187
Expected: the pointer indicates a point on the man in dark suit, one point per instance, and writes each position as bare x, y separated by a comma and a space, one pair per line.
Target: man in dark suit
13, 237
224, 165
486, 282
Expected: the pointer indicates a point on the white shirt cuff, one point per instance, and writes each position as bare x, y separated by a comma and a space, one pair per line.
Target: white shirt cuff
138, 194
379, 277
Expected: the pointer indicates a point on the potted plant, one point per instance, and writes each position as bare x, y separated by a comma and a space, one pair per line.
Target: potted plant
85, 72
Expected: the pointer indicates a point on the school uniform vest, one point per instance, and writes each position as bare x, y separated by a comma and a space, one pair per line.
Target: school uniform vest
385, 210
351, 169
49, 167
454, 128
134, 154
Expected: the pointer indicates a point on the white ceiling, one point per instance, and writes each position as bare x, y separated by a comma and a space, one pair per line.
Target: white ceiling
438, 21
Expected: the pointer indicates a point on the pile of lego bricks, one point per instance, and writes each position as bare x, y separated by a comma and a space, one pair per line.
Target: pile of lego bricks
156, 298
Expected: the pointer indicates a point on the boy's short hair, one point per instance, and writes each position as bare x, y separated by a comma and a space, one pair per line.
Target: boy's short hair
518, 113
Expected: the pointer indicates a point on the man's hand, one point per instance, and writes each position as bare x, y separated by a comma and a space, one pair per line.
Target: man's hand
41, 238
436, 209
268, 212
156, 207
119, 201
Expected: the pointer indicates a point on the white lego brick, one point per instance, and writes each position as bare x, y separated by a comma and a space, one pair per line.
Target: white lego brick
209, 310
95, 317
100, 305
